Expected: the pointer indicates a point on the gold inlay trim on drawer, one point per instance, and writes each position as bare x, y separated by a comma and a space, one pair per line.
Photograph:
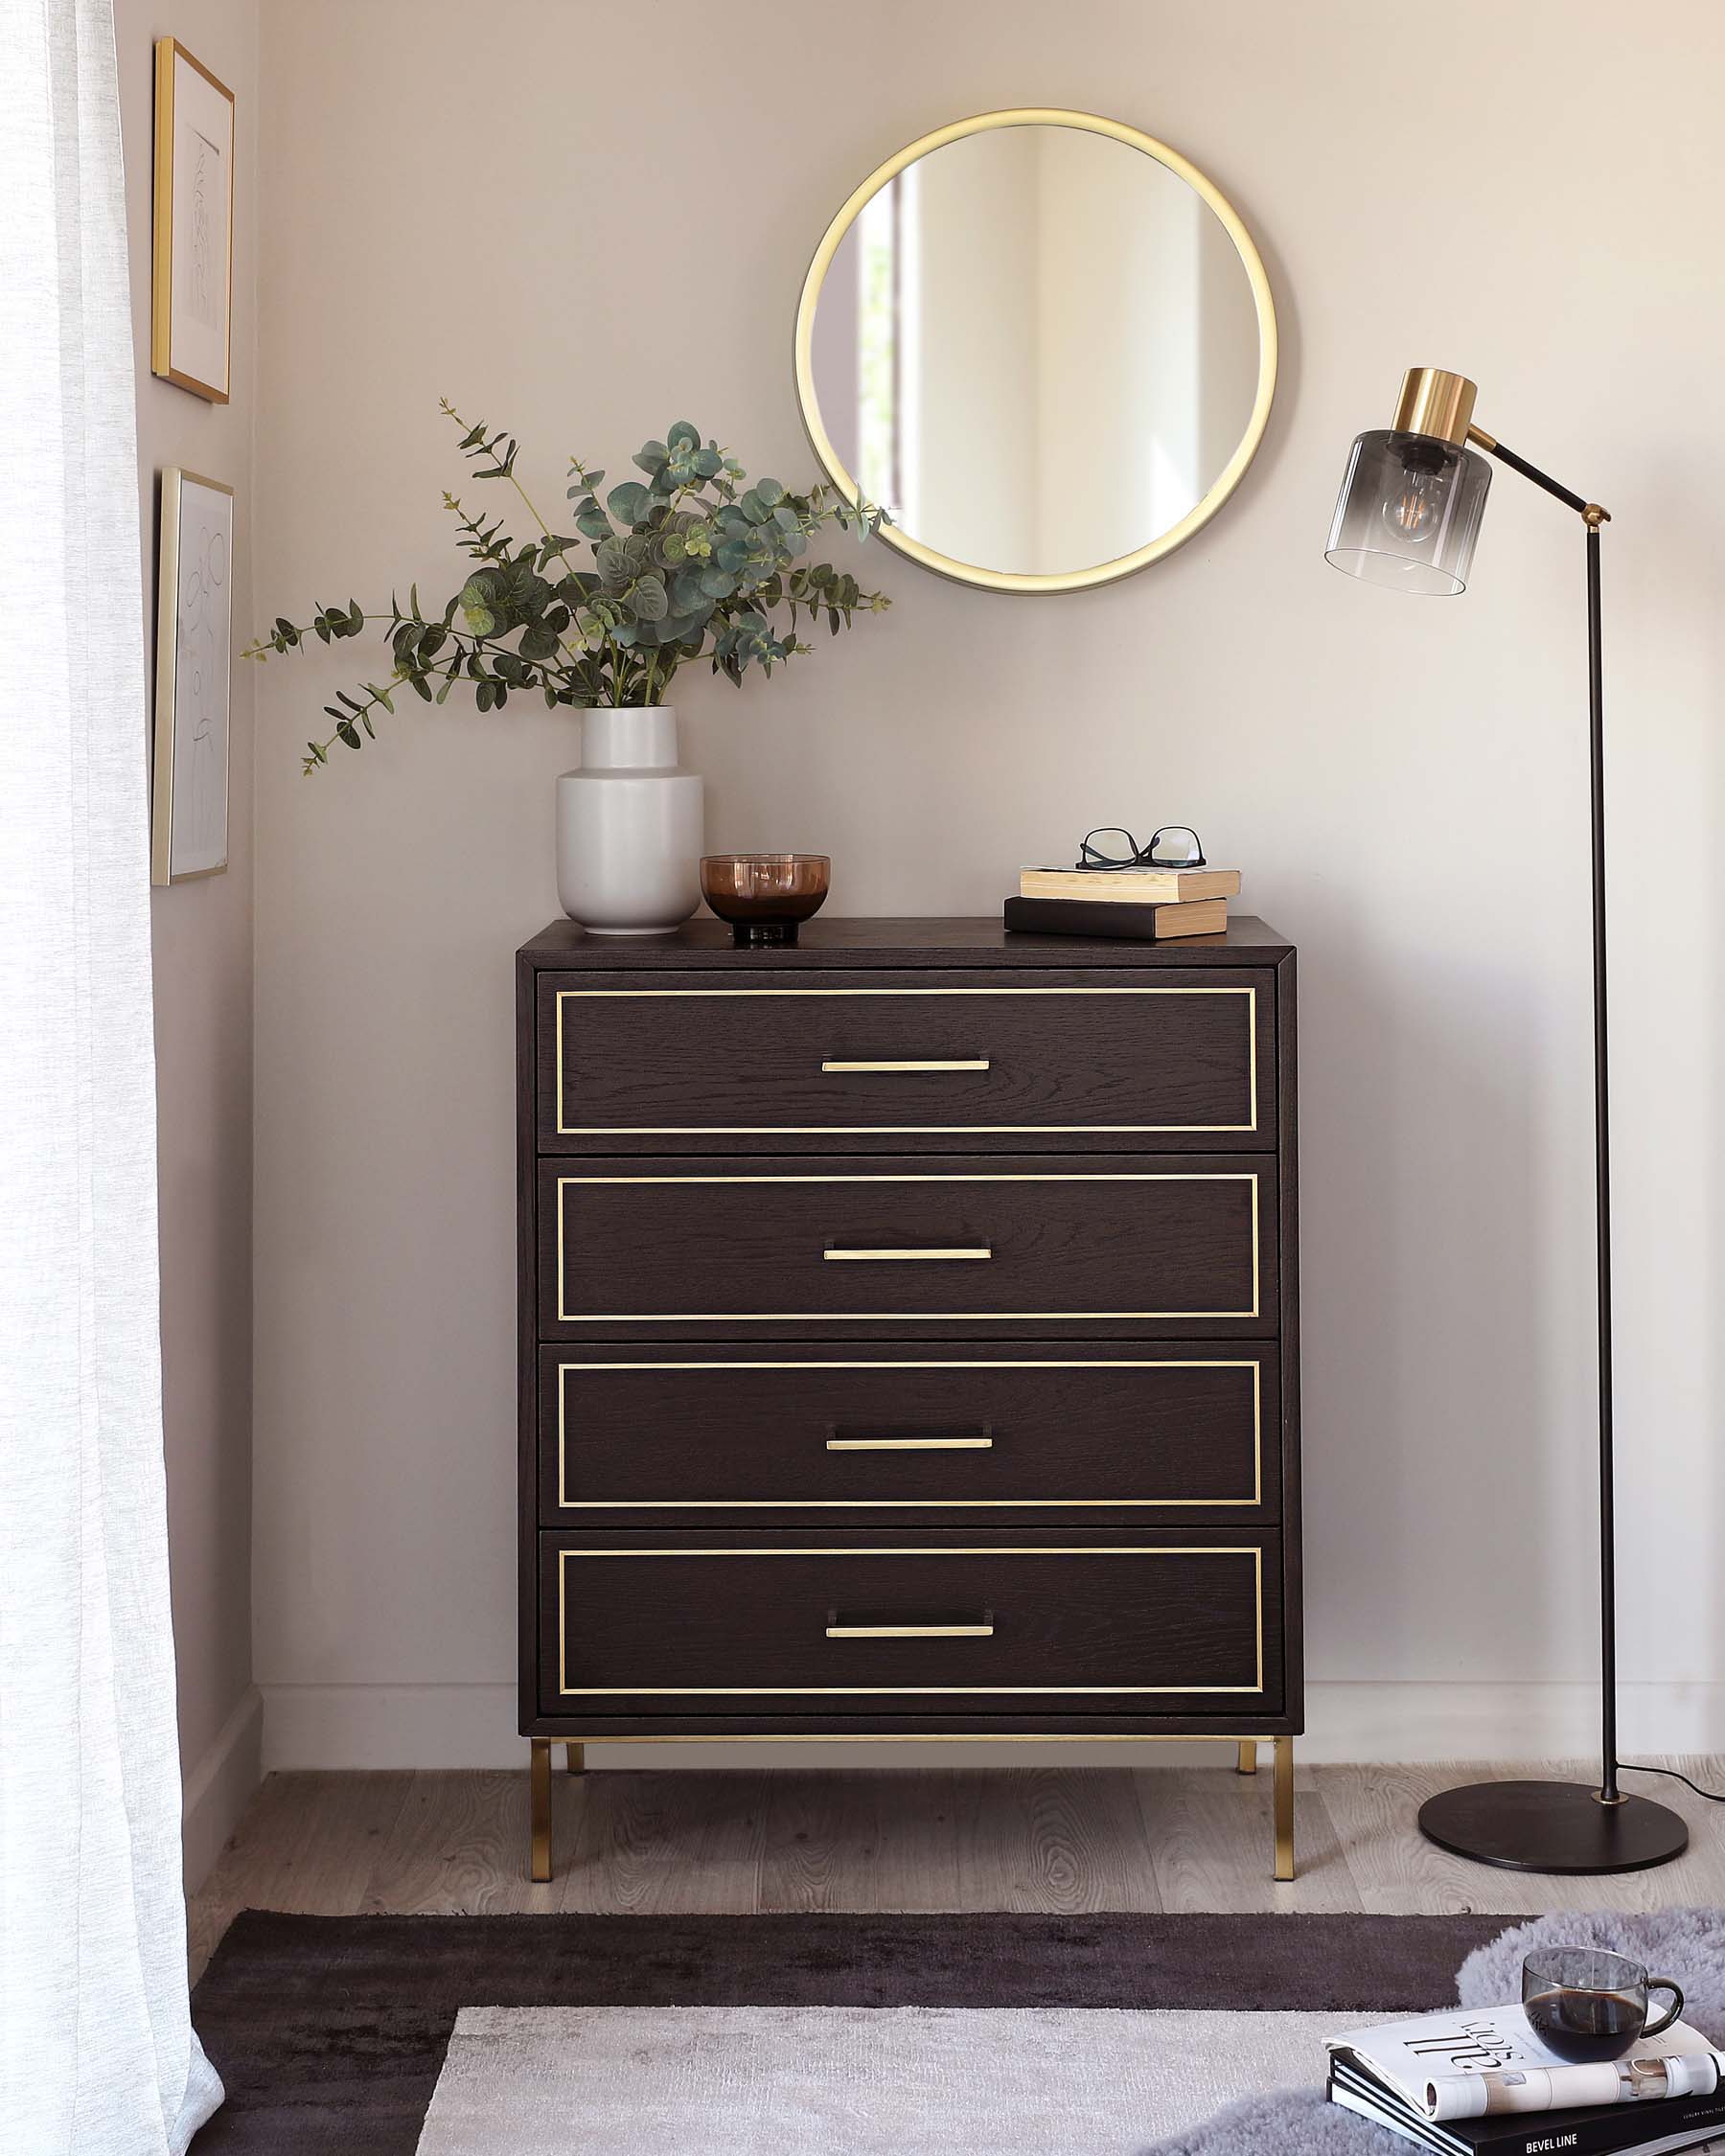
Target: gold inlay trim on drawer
1254, 1364
569, 1317
889, 1130
567, 1690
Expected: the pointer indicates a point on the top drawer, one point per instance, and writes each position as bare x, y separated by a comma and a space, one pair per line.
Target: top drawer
1169, 1060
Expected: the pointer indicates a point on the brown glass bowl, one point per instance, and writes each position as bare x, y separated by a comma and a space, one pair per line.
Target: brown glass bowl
764, 896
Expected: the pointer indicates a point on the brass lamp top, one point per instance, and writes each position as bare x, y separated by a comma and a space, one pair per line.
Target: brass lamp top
1434, 401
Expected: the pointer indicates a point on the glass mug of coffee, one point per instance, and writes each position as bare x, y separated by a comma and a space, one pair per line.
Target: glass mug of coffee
1588, 2006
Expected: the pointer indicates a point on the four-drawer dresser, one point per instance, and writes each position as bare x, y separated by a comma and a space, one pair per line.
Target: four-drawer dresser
908, 1341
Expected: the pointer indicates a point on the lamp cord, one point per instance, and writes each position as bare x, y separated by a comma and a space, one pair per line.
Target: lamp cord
1713, 1796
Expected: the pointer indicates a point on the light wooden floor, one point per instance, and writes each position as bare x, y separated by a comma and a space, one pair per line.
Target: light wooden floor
1054, 1838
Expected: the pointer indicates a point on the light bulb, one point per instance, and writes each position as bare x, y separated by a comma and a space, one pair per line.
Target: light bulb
1413, 510
1412, 514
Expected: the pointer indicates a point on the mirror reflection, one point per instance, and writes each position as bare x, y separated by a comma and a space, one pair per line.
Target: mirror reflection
1039, 347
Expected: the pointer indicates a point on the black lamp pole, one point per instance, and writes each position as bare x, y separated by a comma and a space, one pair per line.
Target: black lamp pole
1408, 517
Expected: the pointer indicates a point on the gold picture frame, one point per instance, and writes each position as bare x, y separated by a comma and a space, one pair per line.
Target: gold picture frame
189, 773
192, 286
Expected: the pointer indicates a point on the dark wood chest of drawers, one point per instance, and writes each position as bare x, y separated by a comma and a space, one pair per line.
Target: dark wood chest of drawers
909, 1339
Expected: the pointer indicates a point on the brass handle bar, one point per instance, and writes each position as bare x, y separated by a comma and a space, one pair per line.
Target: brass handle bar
980, 1628
883, 1257
921, 1063
980, 1442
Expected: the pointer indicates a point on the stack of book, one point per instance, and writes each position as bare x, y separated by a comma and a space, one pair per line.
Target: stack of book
1142, 904
1482, 2079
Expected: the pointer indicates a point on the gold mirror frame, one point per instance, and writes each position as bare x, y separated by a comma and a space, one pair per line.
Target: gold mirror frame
1196, 517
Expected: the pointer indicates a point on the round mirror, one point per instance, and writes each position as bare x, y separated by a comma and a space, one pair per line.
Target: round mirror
1043, 343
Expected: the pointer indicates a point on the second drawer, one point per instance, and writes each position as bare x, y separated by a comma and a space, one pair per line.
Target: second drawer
1040, 1431
1118, 1248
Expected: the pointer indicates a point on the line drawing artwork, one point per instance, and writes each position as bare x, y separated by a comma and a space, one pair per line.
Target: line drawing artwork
200, 252
200, 708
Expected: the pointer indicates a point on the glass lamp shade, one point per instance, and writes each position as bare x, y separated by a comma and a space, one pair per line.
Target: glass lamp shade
1409, 514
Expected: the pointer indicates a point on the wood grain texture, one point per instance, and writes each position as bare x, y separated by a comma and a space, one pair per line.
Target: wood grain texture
665, 1844
1112, 1246
887, 1841
460, 1846
1163, 1623
659, 1255
1195, 1826
644, 1062
708, 1439
1006, 1839
831, 940
1060, 1839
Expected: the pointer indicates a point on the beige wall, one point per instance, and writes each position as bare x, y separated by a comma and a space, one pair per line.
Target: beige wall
203, 988
584, 222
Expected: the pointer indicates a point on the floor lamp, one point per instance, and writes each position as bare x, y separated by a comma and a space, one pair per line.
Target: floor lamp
1407, 519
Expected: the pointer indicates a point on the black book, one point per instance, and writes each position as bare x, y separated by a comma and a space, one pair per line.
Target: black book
1152, 923
1601, 2129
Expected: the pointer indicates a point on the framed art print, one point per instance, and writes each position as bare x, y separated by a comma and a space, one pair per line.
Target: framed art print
189, 808
192, 303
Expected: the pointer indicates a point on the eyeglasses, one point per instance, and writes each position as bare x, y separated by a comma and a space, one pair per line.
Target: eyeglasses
1172, 845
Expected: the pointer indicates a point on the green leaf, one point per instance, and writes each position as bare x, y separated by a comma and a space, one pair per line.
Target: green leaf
628, 502
317, 755
647, 596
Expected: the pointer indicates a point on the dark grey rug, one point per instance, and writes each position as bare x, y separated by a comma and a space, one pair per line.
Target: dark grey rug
330, 2031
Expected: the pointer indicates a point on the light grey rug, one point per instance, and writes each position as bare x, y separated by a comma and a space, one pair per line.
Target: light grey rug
865, 2081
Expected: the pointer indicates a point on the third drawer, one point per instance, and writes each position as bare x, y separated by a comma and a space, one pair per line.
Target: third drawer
872, 1435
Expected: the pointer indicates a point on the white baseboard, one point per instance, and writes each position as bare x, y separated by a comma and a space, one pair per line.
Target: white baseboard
218, 1787
356, 1726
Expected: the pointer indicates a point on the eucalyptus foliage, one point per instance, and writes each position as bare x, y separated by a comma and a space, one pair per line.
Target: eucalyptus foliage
689, 559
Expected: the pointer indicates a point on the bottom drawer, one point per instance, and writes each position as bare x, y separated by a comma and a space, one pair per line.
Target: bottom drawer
665, 1625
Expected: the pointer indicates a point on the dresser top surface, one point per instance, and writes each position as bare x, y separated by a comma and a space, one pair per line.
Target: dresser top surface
832, 941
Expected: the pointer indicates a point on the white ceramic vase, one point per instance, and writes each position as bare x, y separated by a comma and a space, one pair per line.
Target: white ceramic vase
629, 827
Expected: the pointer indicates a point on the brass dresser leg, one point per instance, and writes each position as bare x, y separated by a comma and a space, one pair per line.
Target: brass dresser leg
575, 1758
1284, 1807
539, 1795
1248, 1757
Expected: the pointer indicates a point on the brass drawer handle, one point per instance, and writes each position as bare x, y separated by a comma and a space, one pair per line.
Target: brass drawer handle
954, 1628
887, 1257
976, 1442
916, 1062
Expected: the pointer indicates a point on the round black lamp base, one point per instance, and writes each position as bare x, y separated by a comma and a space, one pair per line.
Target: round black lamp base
1551, 1827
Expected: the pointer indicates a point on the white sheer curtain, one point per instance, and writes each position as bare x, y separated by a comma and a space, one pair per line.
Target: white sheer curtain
97, 2055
